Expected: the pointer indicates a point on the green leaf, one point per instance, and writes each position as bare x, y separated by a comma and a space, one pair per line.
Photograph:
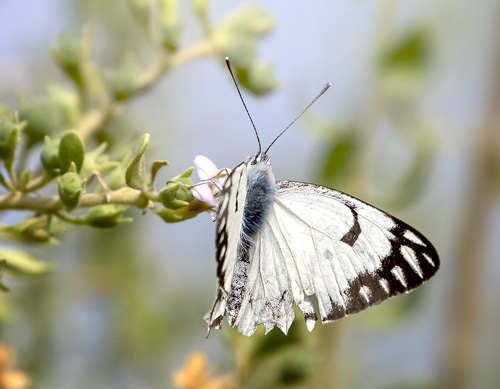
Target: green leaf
44, 117
71, 149
50, 154
412, 51
135, 175
106, 216
200, 8
9, 136
126, 79
21, 264
250, 20
141, 11
157, 165
95, 91
171, 27
68, 101
71, 52
35, 229
116, 177
194, 208
24, 177
183, 178
236, 37
260, 79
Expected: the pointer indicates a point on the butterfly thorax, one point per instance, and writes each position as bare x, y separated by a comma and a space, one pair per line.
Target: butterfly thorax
261, 191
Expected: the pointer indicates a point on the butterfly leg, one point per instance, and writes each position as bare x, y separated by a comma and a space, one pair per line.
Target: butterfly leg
97, 176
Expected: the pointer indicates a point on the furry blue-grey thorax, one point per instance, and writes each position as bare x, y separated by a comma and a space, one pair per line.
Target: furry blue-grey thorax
261, 191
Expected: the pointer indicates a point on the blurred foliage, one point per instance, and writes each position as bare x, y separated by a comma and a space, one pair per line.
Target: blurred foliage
66, 160
72, 120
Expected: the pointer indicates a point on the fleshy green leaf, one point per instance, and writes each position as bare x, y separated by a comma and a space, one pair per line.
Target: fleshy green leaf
71, 149
9, 136
200, 8
171, 27
141, 10
44, 117
50, 154
155, 166
194, 208
183, 178
106, 216
24, 177
71, 52
236, 37
126, 79
21, 264
35, 229
257, 79
135, 176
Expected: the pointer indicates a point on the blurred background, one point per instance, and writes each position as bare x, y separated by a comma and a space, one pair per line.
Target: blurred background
410, 124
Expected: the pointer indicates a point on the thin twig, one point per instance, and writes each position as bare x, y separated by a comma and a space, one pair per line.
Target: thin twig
95, 120
123, 196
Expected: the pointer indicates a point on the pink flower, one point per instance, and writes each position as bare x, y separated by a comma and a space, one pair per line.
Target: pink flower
207, 170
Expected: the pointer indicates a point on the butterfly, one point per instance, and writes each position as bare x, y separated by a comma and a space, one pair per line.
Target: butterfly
278, 243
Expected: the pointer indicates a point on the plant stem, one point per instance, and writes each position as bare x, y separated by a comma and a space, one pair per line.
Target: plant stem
94, 120
124, 196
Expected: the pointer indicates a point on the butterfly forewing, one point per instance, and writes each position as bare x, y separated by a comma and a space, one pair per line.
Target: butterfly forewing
228, 230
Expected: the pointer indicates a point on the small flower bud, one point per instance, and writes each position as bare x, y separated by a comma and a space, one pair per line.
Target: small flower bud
70, 189
175, 195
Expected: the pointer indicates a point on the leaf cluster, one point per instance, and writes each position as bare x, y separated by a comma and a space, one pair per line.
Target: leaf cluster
58, 159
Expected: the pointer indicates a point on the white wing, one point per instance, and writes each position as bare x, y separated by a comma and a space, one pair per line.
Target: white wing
319, 241
228, 230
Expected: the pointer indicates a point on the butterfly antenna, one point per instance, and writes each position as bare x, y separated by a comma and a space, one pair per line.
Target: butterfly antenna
325, 88
243, 101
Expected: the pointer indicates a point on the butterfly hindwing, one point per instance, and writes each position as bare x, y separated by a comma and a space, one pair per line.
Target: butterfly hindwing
322, 242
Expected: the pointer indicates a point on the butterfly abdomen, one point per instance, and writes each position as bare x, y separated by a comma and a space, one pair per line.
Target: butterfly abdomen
261, 192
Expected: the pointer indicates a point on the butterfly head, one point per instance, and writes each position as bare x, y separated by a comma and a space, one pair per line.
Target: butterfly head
258, 158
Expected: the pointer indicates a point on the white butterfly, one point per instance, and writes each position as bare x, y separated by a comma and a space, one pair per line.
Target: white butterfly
281, 242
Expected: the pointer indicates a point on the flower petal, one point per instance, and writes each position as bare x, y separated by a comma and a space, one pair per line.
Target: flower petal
205, 168
204, 193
